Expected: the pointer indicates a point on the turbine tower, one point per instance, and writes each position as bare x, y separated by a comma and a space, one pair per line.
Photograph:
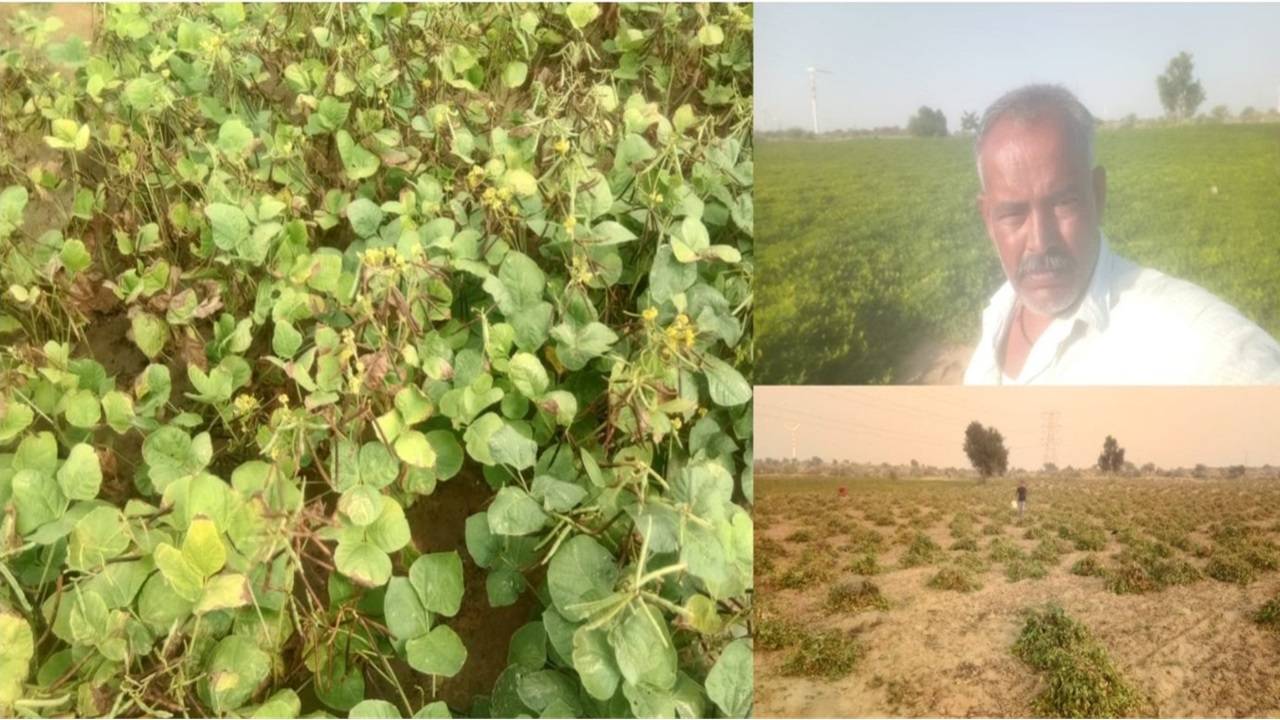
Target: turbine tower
793, 428
813, 93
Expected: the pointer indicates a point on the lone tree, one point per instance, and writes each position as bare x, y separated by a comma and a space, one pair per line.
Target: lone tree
986, 450
1180, 91
1112, 458
928, 122
969, 122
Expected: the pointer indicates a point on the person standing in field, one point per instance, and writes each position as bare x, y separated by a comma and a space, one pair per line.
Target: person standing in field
1022, 498
1072, 311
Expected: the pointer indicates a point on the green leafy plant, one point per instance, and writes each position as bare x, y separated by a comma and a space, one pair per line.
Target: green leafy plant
1080, 678
276, 277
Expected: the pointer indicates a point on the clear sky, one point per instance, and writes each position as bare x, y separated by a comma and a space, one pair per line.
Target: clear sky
1172, 427
887, 60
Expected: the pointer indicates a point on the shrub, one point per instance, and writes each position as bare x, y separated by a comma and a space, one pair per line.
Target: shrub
955, 578
329, 329
1081, 681
1230, 568
865, 564
1024, 568
804, 576
1003, 550
1088, 566
922, 551
855, 597
775, 633
828, 654
1269, 614
967, 543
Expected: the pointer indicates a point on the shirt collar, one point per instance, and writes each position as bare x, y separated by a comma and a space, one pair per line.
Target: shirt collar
1094, 308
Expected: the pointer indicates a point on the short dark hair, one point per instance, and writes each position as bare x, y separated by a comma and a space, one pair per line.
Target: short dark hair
1030, 102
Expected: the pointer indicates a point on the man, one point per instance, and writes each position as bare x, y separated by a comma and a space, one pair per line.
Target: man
1022, 498
1072, 311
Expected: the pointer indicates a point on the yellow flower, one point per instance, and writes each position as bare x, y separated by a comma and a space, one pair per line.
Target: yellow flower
561, 146
283, 400
650, 314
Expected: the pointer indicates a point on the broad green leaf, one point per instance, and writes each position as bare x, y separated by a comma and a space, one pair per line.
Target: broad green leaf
582, 13
710, 35
365, 217
726, 385
75, 257
403, 610
576, 345
557, 495
437, 578
82, 410
390, 531
374, 709
118, 408
414, 407
235, 670
283, 704
229, 225
361, 504
413, 448
150, 334
183, 577
528, 375
234, 138
439, 652
643, 648
223, 593
98, 537
17, 646
514, 74
285, 339
358, 162
203, 546
363, 562
528, 647
171, 453
594, 661
438, 710
511, 445
15, 416
581, 572
730, 683
514, 512
81, 475
377, 465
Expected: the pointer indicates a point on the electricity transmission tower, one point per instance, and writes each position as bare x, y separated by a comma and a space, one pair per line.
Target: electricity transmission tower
813, 93
1051, 428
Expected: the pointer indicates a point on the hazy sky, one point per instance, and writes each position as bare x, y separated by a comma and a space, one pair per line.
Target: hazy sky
1172, 427
889, 59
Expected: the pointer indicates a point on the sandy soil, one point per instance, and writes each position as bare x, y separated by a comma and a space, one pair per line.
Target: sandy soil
1190, 650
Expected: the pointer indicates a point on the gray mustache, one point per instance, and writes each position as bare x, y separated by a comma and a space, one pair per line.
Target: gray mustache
1052, 261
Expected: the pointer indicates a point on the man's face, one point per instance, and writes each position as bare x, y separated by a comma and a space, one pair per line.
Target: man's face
1042, 205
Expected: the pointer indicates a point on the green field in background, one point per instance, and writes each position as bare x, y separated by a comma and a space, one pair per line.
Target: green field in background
868, 248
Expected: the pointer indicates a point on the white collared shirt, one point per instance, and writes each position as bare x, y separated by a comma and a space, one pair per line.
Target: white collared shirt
1134, 326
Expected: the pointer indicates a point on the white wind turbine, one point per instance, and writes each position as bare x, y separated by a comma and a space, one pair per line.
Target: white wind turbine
813, 93
793, 428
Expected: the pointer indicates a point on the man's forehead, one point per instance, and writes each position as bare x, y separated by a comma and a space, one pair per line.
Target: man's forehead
1046, 131
1044, 143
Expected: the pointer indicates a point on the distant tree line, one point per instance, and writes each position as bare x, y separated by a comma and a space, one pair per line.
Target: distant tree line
1180, 91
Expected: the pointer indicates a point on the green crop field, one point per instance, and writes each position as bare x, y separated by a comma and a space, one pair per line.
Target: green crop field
871, 248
